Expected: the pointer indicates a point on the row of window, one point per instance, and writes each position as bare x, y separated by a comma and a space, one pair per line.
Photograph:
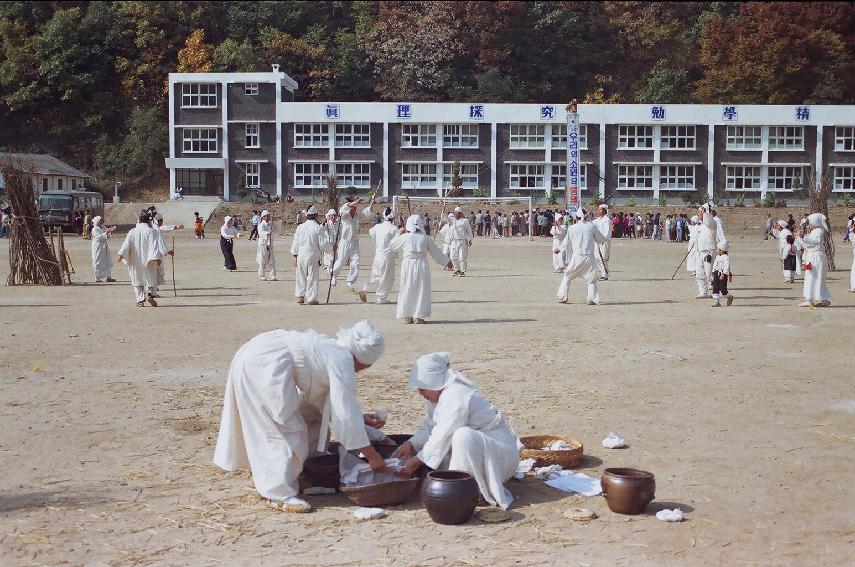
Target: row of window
673, 177
737, 177
204, 95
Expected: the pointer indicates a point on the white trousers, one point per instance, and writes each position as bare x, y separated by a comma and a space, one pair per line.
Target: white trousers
603, 257
559, 261
703, 272
139, 293
306, 282
580, 266
382, 276
789, 274
266, 260
459, 252
347, 250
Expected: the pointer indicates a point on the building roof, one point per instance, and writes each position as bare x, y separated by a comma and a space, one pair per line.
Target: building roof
42, 164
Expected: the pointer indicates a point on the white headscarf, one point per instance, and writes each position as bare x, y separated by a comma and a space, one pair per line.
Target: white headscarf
818, 220
414, 223
695, 219
580, 214
604, 207
433, 372
330, 213
96, 220
313, 210
264, 213
364, 340
226, 220
558, 218
782, 223
722, 245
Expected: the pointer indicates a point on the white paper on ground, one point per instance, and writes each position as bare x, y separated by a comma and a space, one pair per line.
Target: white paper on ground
576, 482
613, 441
525, 465
666, 515
369, 513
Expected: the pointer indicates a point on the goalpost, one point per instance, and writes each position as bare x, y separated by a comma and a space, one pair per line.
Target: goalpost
397, 201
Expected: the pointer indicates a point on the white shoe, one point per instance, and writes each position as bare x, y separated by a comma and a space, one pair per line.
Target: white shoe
806, 303
702, 297
332, 281
563, 300
262, 278
349, 286
294, 505
381, 301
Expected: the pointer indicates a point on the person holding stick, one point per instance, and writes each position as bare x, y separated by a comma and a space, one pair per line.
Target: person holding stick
604, 225
582, 238
141, 253
264, 255
310, 242
159, 229
348, 244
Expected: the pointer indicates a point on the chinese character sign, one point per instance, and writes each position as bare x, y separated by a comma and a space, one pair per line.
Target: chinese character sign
476, 111
802, 113
729, 113
572, 194
657, 112
547, 112
333, 111
403, 111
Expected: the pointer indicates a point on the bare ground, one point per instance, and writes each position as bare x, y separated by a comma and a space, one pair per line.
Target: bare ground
109, 414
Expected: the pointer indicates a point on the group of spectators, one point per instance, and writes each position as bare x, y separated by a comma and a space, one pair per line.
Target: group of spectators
655, 226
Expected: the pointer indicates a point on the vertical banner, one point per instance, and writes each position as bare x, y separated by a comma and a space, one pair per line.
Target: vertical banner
572, 191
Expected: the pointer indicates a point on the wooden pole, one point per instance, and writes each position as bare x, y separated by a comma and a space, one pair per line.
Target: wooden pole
334, 254
174, 291
681, 262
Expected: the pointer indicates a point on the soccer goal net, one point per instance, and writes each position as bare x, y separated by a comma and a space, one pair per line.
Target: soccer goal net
438, 208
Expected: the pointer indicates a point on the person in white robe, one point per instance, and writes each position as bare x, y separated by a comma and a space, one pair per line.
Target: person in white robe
783, 249
445, 235
348, 243
310, 242
692, 246
264, 254
414, 295
462, 431
284, 388
604, 225
460, 239
331, 228
142, 254
558, 232
710, 232
159, 228
102, 263
582, 238
382, 276
815, 290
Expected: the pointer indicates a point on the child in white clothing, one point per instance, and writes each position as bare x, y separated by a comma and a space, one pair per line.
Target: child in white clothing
720, 275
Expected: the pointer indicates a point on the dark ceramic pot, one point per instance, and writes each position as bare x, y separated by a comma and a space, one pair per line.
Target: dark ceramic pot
323, 471
449, 496
387, 450
628, 491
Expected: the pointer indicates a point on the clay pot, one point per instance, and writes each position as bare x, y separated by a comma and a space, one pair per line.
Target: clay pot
449, 496
628, 491
323, 471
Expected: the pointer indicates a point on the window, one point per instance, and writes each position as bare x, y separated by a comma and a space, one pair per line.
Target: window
253, 139
418, 175
353, 175
559, 136
468, 175
199, 95
311, 174
786, 138
635, 177
460, 136
353, 135
250, 89
635, 137
311, 136
59, 184
559, 176
527, 176
73, 184
742, 178
253, 175
844, 138
744, 138
844, 178
199, 140
677, 138
418, 136
527, 136
44, 184
784, 178
677, 177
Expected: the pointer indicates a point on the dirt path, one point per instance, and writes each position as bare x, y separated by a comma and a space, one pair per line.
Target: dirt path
109, 414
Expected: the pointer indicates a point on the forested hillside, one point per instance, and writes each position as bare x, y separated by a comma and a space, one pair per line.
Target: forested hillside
86, 81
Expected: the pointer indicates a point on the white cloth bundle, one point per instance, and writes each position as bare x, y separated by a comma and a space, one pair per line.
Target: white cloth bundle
613, 441
666, 515
355, 471
544, 473
558, 445
369, 513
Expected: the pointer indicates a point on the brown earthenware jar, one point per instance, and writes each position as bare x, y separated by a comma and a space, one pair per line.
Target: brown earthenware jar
323, 471
628, 491
450, 496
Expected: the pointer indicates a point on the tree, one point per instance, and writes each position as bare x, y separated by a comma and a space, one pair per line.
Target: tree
231, 56
196, 55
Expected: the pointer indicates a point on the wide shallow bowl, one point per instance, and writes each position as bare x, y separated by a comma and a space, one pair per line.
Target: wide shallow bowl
382, 493
627, 490
322, 470
449, 496
533, 449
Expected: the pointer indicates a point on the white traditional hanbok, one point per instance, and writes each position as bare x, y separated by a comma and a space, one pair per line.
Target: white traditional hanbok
463, 430
348, 244
283, 389
264, 254
163, 249
102, 263
604, 249
558, 232
414, 295
310, 241
692, 246
141, 250
331, 228
581, 238
783, 250
459, 236
382, 276
814, 257
710, 233
852, 270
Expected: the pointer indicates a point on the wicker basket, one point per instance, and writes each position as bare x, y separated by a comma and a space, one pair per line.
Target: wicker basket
533, 449
383, 493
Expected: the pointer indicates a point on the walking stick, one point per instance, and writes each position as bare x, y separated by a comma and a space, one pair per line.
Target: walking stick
602, 260
174, 292
334, 254
681, 261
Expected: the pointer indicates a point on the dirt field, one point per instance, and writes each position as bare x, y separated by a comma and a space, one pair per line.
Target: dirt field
745, 414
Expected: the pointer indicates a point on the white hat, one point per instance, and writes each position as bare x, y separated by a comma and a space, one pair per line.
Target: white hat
580, 213
330, 213
414, 223
696, 218
158, 216
433, 372
723, 246
364, 340
818, 220
458, 210
265, 212
782, 223
604, 206
96, 220
313, 210
557, 218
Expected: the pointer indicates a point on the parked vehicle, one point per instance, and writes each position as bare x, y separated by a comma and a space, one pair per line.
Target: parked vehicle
56, 207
